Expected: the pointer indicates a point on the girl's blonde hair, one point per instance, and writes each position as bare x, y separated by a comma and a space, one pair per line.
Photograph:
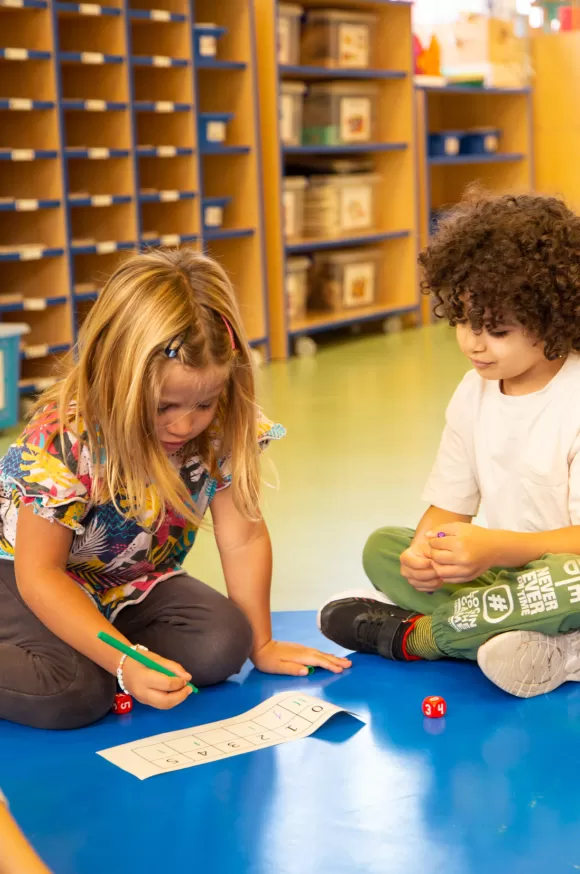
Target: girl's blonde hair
113, 387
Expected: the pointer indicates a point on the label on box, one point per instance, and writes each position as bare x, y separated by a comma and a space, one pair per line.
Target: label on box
215, 131
356, 207
451, 146
289, 210
283, 40
287, 118
213, 216
353, 45
359, 284
207, 46
355, 120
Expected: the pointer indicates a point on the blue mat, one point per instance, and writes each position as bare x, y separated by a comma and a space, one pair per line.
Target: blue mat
493, 787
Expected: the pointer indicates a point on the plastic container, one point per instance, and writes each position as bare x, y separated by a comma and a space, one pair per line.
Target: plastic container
341, 204
338, 38
340, 113
291, 103
213, 129
347, 279
206, 40
10, 335
289, 15
213, 212
445, 144
297, 268
293, 206
480, 141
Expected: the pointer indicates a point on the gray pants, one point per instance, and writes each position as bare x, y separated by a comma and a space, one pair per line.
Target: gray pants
45, 683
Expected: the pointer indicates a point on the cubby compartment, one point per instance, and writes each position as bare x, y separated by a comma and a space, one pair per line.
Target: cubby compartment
114, 176
99, 34
242, 260
168, 174
235, 178
39, 373
92, 272
111, 130
169, 219
43, 229
48, 328
36, 180
36, 130
26, 29
161, 129
30, 283
150, 38
90, 226
103, 82
169, 83
32, 79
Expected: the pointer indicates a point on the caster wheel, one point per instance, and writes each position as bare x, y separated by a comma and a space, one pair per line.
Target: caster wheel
305, 347
393, 325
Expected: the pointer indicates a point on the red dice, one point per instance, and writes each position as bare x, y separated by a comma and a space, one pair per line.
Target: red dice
434, 707
122, 704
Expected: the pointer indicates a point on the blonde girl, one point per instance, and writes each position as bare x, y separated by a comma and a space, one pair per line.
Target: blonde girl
103, 493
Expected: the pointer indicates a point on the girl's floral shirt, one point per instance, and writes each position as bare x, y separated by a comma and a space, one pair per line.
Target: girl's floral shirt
115, 560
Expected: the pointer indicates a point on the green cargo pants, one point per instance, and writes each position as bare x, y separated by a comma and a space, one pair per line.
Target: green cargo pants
543, 596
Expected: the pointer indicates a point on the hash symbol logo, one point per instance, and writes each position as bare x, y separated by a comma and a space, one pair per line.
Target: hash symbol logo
497, 602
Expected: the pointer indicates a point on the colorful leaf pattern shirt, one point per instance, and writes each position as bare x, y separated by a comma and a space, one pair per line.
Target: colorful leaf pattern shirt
115, 559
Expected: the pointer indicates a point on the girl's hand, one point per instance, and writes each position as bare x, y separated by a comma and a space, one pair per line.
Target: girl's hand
155, 689
463, 554
276, 657
417, 567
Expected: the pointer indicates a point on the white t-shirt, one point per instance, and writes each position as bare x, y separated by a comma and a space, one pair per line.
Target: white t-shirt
517, 457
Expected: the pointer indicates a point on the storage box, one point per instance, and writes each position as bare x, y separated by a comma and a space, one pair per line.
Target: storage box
10, 335
340, 113
291, 102
293, 206
341, 204
213, 212
296, 287
487, 47
206, 40
347, 279
213, 129
480, 141
445, 144
338, 38
289, 15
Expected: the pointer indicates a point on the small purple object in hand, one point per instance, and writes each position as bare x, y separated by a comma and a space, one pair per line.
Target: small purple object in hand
441, 534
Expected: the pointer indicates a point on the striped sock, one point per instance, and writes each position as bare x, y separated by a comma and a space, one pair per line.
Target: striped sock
421, 642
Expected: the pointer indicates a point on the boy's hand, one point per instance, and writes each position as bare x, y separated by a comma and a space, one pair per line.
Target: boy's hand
155, 689
277, 657
463, 554
417, 567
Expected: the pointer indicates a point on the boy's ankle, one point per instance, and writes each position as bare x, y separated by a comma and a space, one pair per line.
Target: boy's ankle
420, 643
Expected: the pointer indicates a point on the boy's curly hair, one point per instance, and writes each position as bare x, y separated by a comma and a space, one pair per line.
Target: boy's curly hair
514, 258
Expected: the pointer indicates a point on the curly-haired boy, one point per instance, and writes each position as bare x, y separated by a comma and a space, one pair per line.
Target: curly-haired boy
505, 272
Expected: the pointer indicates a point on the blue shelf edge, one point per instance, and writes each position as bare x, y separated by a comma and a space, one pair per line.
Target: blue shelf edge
96, 153
44, 252
462, 160
160, 198
159, 61
470, 90
353, 148
30, 55
216, 64
31, 155
373, 316
156, 15
22, 307
340, 242
225, 150
164, 152
28, 204
89, 9
168, 240
227, 233
98, 200
53, 349
161, 106
96, 59
23, 104
339, 73
102, 248
69, 104
25, 4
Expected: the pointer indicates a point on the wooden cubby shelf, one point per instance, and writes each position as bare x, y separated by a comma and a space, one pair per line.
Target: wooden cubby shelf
388, 231
101, 108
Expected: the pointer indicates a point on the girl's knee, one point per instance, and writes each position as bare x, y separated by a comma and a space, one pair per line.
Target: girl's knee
226, 647
84, 700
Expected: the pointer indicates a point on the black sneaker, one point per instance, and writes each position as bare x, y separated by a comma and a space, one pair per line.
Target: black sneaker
368, 623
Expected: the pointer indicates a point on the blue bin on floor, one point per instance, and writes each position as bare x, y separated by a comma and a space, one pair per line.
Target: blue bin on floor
213, 129
206, 38
213, 212
482, 141
445, 144
10, 335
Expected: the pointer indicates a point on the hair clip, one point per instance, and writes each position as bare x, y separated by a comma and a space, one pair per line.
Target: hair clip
230, 332
171, 350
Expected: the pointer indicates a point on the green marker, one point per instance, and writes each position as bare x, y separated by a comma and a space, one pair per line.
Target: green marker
139, 657
310, 670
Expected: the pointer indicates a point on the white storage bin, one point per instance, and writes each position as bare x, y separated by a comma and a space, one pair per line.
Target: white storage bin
341, 204
296, 287
289, 15
291, 102
293, 206
340, 113
338, 38
347, 279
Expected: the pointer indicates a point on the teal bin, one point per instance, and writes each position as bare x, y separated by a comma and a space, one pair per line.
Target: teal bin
10, 335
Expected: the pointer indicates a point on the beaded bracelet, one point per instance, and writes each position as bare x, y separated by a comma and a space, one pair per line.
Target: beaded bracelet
120, 680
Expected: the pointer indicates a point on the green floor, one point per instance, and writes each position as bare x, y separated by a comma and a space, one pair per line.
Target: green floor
364, 418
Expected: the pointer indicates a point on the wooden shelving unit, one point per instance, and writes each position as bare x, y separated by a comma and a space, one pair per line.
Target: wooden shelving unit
101, 107
394, 154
